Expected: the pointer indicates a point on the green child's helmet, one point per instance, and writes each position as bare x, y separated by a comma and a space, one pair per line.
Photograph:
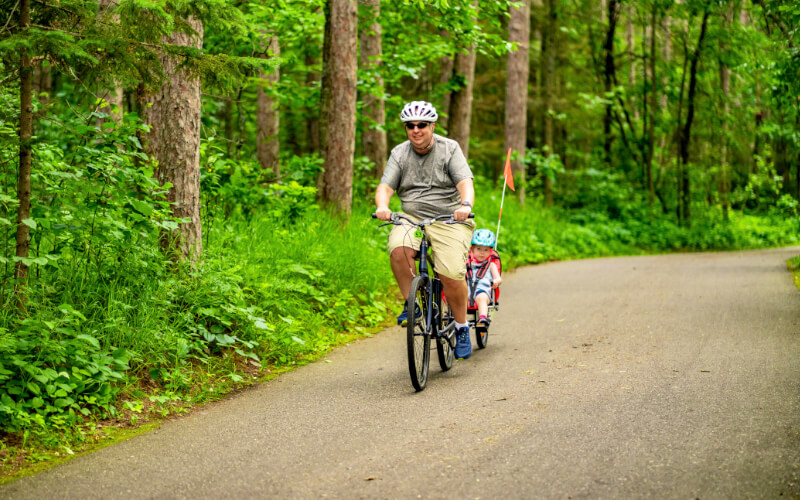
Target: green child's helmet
483, 238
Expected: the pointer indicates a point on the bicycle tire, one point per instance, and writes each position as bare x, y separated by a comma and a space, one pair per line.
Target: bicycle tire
481, 336
417, 335
444, 350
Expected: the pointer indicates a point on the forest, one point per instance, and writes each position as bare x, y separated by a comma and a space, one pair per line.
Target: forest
186, 186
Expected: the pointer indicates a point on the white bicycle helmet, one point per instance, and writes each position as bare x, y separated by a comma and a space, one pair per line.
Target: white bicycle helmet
419, 111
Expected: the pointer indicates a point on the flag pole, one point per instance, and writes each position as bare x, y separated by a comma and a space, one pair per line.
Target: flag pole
507, 177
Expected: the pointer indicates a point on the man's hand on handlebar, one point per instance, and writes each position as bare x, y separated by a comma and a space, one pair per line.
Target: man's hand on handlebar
462, 213
383, 213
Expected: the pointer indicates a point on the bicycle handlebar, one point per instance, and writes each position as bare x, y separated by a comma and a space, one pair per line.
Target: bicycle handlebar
396, 218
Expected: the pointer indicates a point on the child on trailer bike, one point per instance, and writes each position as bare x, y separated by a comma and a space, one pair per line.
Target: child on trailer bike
431, 177
483, 275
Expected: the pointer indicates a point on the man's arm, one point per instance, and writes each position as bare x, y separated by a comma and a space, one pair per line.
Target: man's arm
467, 193
382, 196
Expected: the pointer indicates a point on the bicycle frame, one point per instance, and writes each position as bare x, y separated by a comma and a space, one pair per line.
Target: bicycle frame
425, 294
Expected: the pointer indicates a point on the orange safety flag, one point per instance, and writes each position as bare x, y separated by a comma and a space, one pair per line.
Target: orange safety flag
507, 172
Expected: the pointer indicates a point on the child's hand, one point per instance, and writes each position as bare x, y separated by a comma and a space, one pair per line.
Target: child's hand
496, 283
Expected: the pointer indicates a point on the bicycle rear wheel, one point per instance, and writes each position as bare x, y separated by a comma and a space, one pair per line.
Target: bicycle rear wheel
444, 350
418, 334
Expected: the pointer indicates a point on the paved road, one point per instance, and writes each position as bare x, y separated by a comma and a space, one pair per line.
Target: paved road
647, 377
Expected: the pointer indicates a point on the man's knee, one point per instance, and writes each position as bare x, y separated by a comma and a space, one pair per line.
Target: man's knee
402, 254
452, 284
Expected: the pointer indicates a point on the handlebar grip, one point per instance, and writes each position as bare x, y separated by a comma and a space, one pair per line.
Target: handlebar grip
471, 216
374, 215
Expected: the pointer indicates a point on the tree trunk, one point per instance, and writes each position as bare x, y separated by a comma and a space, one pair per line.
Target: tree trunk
340, 146
517, 89
324, 95
174, 142
229, 119
608, 78
686, 130
653, 113
312, 123
113, 97
267, 141
461, 102
631, 52
25, 157
374, 135
724, 83
43, 81
446, 73
547, 77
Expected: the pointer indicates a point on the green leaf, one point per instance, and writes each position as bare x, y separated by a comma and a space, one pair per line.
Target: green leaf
88, 338
30, 223
142, 207
298, 339
260, 324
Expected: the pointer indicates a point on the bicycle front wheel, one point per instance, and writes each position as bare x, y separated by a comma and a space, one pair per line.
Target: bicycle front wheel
418, 332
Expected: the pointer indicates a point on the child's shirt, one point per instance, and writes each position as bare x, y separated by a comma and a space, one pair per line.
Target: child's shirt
484, 284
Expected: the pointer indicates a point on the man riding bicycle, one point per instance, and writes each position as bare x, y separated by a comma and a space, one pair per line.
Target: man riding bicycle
431, 177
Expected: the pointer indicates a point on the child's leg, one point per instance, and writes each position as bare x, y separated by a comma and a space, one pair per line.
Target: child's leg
482, 301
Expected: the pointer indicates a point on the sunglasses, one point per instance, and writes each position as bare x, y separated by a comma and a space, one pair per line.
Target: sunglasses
420, 125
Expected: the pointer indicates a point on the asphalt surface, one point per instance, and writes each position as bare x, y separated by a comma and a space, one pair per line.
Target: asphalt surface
647, 377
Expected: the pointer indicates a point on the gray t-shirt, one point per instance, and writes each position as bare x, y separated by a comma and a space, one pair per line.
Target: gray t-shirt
426, 184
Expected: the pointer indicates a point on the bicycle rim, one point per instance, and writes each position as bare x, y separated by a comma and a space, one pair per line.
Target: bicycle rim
443, 348
481, 336
417, 333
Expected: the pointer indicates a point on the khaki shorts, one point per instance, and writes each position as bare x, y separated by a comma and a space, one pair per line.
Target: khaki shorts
449, 245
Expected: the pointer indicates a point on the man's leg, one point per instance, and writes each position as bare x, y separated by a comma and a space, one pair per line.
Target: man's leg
456, 292
402, 260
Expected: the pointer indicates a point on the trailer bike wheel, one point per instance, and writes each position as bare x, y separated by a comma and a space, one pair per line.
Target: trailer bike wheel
481, 336
418, 333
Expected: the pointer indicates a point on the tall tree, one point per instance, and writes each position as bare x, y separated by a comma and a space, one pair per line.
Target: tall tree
341, 115
25, 155
609, 72
374, 134
653, 111
685, 132
112, 97
461, 99
446, 74
724, 83
630, 47
548, 78
174, 117
519, 29
267, 141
